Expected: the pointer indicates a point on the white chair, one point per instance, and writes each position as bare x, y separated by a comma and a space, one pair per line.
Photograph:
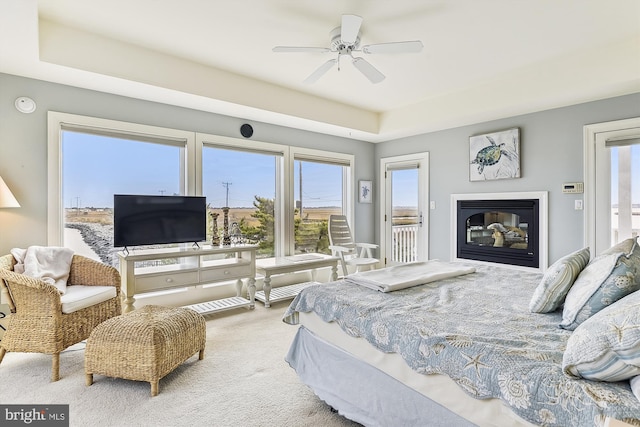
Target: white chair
343, 246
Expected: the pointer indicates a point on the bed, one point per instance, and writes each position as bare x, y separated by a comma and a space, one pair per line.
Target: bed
458, 351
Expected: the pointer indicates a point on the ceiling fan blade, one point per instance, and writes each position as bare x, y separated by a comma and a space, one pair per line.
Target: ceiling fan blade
368, 70
290, 49
350, 28
320, 71
394, 47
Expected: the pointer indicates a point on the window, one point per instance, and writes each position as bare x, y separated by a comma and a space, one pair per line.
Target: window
95, 167
611, 182
245, 183
91, 159
318, 190
625, 191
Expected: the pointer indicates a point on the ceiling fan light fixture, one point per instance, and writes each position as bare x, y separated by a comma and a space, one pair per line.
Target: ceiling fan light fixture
344, 41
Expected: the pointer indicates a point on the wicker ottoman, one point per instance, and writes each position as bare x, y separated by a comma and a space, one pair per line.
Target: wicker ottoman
145, 344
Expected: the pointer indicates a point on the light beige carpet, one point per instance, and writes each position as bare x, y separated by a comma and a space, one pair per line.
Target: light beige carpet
242, 381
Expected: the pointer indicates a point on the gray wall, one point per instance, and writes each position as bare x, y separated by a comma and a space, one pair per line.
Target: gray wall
551, 147
551, 153
23, 146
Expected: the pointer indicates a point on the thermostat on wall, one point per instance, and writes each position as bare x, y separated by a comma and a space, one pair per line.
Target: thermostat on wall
573, 187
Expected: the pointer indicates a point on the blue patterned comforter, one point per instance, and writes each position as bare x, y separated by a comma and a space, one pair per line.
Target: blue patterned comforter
478, 330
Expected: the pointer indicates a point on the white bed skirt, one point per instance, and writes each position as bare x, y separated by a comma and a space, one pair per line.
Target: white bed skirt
436, 399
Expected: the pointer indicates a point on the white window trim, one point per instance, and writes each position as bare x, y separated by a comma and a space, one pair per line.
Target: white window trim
56, 121
193, 143
406, 161
594, 137
282, 226
348, 180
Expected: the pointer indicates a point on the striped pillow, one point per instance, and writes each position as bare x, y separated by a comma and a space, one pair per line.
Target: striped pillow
606, 346
557, 280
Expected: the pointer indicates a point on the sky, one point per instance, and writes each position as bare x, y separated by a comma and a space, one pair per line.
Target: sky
118, 166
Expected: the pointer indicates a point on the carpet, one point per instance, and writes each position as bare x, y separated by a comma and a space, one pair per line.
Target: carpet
242, 381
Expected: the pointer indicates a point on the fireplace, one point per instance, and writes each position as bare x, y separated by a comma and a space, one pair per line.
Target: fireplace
504, 228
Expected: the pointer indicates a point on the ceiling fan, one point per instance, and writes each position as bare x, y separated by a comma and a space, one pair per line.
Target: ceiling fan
344, 41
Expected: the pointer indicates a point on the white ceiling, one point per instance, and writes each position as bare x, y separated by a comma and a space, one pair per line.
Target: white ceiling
482, 60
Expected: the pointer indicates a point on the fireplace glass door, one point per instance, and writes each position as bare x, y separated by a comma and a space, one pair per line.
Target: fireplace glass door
498, 229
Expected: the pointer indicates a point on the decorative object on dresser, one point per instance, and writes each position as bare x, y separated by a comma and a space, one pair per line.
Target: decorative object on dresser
196, 266
46, 319
495, 155
215, 234
226, 237
145, 345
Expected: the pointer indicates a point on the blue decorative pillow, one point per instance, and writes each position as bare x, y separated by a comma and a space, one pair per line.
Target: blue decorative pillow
557, 281
606, 347
610, 276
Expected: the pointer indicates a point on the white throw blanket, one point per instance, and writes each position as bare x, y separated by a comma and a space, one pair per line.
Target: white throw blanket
48, 263
407, 275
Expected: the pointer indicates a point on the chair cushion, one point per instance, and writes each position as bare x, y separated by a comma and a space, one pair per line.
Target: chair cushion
78, 297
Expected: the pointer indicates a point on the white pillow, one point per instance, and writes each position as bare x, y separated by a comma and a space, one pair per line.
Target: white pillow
557, 280
610, 276
606, 346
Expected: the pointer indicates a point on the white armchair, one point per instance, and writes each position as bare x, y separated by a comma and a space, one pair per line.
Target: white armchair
343, 246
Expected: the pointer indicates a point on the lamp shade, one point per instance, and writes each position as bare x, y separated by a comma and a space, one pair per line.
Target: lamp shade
7, 199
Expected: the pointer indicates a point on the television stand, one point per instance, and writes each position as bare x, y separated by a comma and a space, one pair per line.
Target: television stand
149, 270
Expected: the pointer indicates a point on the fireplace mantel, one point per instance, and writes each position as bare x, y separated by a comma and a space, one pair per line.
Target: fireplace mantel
542, 234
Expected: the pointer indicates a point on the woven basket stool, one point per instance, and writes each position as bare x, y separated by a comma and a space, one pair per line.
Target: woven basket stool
145, 344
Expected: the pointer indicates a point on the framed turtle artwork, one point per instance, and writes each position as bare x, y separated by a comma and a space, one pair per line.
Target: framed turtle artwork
494, 155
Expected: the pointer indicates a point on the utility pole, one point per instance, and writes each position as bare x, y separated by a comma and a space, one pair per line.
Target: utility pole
77, 206
227, 184
300, 164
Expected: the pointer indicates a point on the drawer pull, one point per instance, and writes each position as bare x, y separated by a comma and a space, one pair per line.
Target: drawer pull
226, 272
169, 280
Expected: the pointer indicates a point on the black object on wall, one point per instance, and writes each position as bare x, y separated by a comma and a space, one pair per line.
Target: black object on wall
246, 130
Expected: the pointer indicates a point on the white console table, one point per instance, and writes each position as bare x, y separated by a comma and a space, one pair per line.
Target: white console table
195, 266
292, 264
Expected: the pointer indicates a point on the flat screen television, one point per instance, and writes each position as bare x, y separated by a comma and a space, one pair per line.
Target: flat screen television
151, 220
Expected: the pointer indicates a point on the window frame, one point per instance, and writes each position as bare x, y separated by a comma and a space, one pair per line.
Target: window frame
193, 144
58, 122
280, 205
348, 181
596, 168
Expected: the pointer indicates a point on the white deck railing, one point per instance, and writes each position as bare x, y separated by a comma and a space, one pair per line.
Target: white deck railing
405, 243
